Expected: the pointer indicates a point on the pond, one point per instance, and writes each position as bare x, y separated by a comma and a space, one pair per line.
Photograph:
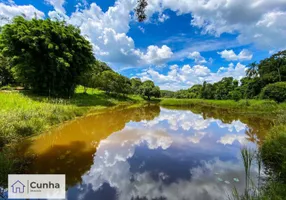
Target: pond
149, 152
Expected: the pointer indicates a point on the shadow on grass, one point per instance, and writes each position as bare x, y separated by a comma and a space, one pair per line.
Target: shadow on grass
152, 100
82, 99
102, 99
12, 161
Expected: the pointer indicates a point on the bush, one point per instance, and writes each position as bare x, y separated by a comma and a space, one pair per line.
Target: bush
273, 152
235, 95
275, 91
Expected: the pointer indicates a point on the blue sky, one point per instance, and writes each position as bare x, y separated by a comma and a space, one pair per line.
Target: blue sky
183, 42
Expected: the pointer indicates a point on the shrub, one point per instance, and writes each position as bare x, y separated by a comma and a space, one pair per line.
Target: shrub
275, 91
235, 95
273, 152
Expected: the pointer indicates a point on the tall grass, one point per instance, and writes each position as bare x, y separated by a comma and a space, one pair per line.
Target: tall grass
11, 162
24, 115
247, 157
272, 188
274, 153
251, 191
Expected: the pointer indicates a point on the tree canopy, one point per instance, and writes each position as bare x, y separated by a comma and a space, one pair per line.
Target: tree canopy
47, 56
149, 89
6, 74
273, 69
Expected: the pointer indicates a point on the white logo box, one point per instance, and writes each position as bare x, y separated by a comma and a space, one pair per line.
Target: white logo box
36, 186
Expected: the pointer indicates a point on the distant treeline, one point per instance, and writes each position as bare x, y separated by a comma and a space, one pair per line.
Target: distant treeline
51, 58
101, 76
264, 80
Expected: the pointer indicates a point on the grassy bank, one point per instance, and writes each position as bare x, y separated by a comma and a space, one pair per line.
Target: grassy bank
23, 114
245, 106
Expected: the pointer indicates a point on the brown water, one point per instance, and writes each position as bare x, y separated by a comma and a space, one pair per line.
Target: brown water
149, 153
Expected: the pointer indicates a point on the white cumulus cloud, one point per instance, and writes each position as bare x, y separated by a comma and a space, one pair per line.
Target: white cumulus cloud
186, 76
197, 57
57, 4
7, 12
157, 55
108, 33
229, 55
261, 22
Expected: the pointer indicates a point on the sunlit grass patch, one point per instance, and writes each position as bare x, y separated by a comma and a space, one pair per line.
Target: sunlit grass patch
24, 114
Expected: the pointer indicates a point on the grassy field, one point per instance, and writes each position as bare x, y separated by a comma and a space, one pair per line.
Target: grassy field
245, 106
24, 114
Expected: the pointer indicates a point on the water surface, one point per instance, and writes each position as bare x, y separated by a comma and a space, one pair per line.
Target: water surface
149, 153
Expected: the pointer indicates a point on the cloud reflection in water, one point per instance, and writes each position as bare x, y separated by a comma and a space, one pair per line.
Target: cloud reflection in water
178, 155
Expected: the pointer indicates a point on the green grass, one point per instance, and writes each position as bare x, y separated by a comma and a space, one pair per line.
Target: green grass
251, 106
273, 153
24, 114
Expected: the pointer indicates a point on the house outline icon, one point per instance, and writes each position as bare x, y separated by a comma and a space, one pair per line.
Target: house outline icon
18, 187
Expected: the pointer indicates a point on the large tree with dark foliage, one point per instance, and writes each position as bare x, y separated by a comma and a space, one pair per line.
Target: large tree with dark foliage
273, 69
47, 56
6, 74
148, 89
135, 85
224, 87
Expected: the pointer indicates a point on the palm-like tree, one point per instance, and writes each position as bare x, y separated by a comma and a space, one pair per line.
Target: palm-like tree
279, 59
252, 70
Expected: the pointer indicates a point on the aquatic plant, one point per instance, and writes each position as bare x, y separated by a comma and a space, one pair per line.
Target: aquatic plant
247, 157
251, 191
274, 187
